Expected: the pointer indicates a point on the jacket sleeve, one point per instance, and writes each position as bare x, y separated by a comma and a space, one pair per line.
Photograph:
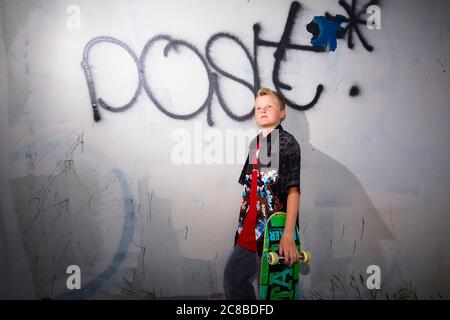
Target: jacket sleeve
293, 166
243, 172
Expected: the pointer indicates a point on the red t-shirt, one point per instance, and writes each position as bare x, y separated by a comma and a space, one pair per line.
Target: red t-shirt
247, 238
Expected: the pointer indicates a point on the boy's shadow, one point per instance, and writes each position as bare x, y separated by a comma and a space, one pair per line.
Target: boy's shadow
339, 224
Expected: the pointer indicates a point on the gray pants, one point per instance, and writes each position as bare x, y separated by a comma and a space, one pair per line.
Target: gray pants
241, 270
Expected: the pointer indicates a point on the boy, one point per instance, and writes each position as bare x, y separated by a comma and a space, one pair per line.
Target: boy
269, 187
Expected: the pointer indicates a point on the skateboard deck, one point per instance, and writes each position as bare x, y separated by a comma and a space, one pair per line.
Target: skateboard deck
278, 281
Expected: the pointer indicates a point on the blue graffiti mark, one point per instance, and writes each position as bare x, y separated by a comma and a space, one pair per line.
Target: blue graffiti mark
325, 31
127, 235
354, 20
21, 153
30, 149
127, 230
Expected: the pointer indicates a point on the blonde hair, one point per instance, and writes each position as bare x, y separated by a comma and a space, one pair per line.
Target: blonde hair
268, 92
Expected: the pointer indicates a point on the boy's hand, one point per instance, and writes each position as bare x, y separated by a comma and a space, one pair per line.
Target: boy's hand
288, 249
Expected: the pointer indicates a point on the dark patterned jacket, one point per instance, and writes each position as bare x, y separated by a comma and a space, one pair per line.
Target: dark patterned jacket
278, 170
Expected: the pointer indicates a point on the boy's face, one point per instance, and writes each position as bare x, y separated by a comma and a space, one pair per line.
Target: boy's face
268, 112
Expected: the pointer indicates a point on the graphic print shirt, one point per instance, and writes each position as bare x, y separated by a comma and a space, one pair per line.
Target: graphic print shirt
278, 169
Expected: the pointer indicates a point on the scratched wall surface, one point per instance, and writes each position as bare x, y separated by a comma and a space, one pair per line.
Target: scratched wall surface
95, 97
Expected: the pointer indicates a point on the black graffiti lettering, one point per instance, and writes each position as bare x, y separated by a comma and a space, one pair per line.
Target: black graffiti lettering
354, 91
173, 45
280, 55
90, 80
252, 87
354, 20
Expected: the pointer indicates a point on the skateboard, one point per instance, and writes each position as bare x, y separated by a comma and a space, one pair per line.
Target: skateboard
278, 281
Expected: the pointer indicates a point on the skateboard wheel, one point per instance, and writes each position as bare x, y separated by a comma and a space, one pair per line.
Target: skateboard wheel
272, 258
305, 256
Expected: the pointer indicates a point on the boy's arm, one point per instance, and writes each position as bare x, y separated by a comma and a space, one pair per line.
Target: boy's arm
287, 245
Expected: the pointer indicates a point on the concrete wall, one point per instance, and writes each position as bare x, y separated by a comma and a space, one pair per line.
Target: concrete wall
113, 196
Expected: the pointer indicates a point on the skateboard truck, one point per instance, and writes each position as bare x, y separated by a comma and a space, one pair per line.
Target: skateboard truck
273, 258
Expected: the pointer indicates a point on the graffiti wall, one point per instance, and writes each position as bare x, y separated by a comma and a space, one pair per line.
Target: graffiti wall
125, 126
